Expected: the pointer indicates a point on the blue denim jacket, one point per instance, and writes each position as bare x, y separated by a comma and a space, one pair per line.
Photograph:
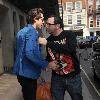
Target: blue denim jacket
28, 59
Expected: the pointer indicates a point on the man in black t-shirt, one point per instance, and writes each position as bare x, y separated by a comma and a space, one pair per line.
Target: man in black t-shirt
61, 47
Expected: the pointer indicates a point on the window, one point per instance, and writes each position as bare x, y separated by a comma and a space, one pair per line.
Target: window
64, 6
78, 5
98, 8
98, 21
97, 2
60, 10
90, 6
78, 19
91, 21
90, 9
69, 6
90, 2
69, 19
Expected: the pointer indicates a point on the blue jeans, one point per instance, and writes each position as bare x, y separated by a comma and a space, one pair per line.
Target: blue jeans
60, 84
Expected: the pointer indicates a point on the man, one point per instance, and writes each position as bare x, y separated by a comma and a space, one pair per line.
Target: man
28, 62
61, 46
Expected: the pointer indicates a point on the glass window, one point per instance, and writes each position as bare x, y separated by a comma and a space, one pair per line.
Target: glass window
69, 6
90, 2
98, 20
78, 19
60, 9
91, 21
78, 5
90, 9
97, 1
69, 19
64, 6
98, 7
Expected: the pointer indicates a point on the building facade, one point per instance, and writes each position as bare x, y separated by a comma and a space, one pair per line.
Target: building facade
81, 15
11, 20
74, 15
93, 16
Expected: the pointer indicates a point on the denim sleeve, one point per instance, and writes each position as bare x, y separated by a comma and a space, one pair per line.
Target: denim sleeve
32, 50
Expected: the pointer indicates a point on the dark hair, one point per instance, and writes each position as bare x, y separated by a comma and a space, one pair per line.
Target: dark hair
34, 13
57, 20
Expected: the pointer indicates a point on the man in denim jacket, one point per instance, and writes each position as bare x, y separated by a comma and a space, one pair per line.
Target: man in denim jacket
29, 62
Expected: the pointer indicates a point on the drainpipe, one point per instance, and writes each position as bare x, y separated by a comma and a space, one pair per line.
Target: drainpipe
62, 9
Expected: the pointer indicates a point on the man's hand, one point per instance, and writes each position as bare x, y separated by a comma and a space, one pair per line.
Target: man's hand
52, 65
42, 41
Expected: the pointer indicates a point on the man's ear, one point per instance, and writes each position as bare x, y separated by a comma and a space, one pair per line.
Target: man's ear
34, 19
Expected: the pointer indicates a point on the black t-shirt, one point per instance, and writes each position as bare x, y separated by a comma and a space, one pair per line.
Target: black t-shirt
62, 48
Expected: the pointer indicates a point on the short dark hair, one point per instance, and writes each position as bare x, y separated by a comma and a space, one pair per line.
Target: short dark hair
34, 13
57, 20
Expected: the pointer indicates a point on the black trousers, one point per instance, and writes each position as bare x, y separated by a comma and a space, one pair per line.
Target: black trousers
29, 87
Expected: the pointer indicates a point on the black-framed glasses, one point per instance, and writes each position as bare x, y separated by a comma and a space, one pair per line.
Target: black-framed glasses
50, 24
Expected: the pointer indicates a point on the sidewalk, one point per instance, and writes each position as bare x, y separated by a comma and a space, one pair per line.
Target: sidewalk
85, 91
11, 90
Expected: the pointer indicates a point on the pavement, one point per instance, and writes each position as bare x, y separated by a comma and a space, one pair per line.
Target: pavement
10, 89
